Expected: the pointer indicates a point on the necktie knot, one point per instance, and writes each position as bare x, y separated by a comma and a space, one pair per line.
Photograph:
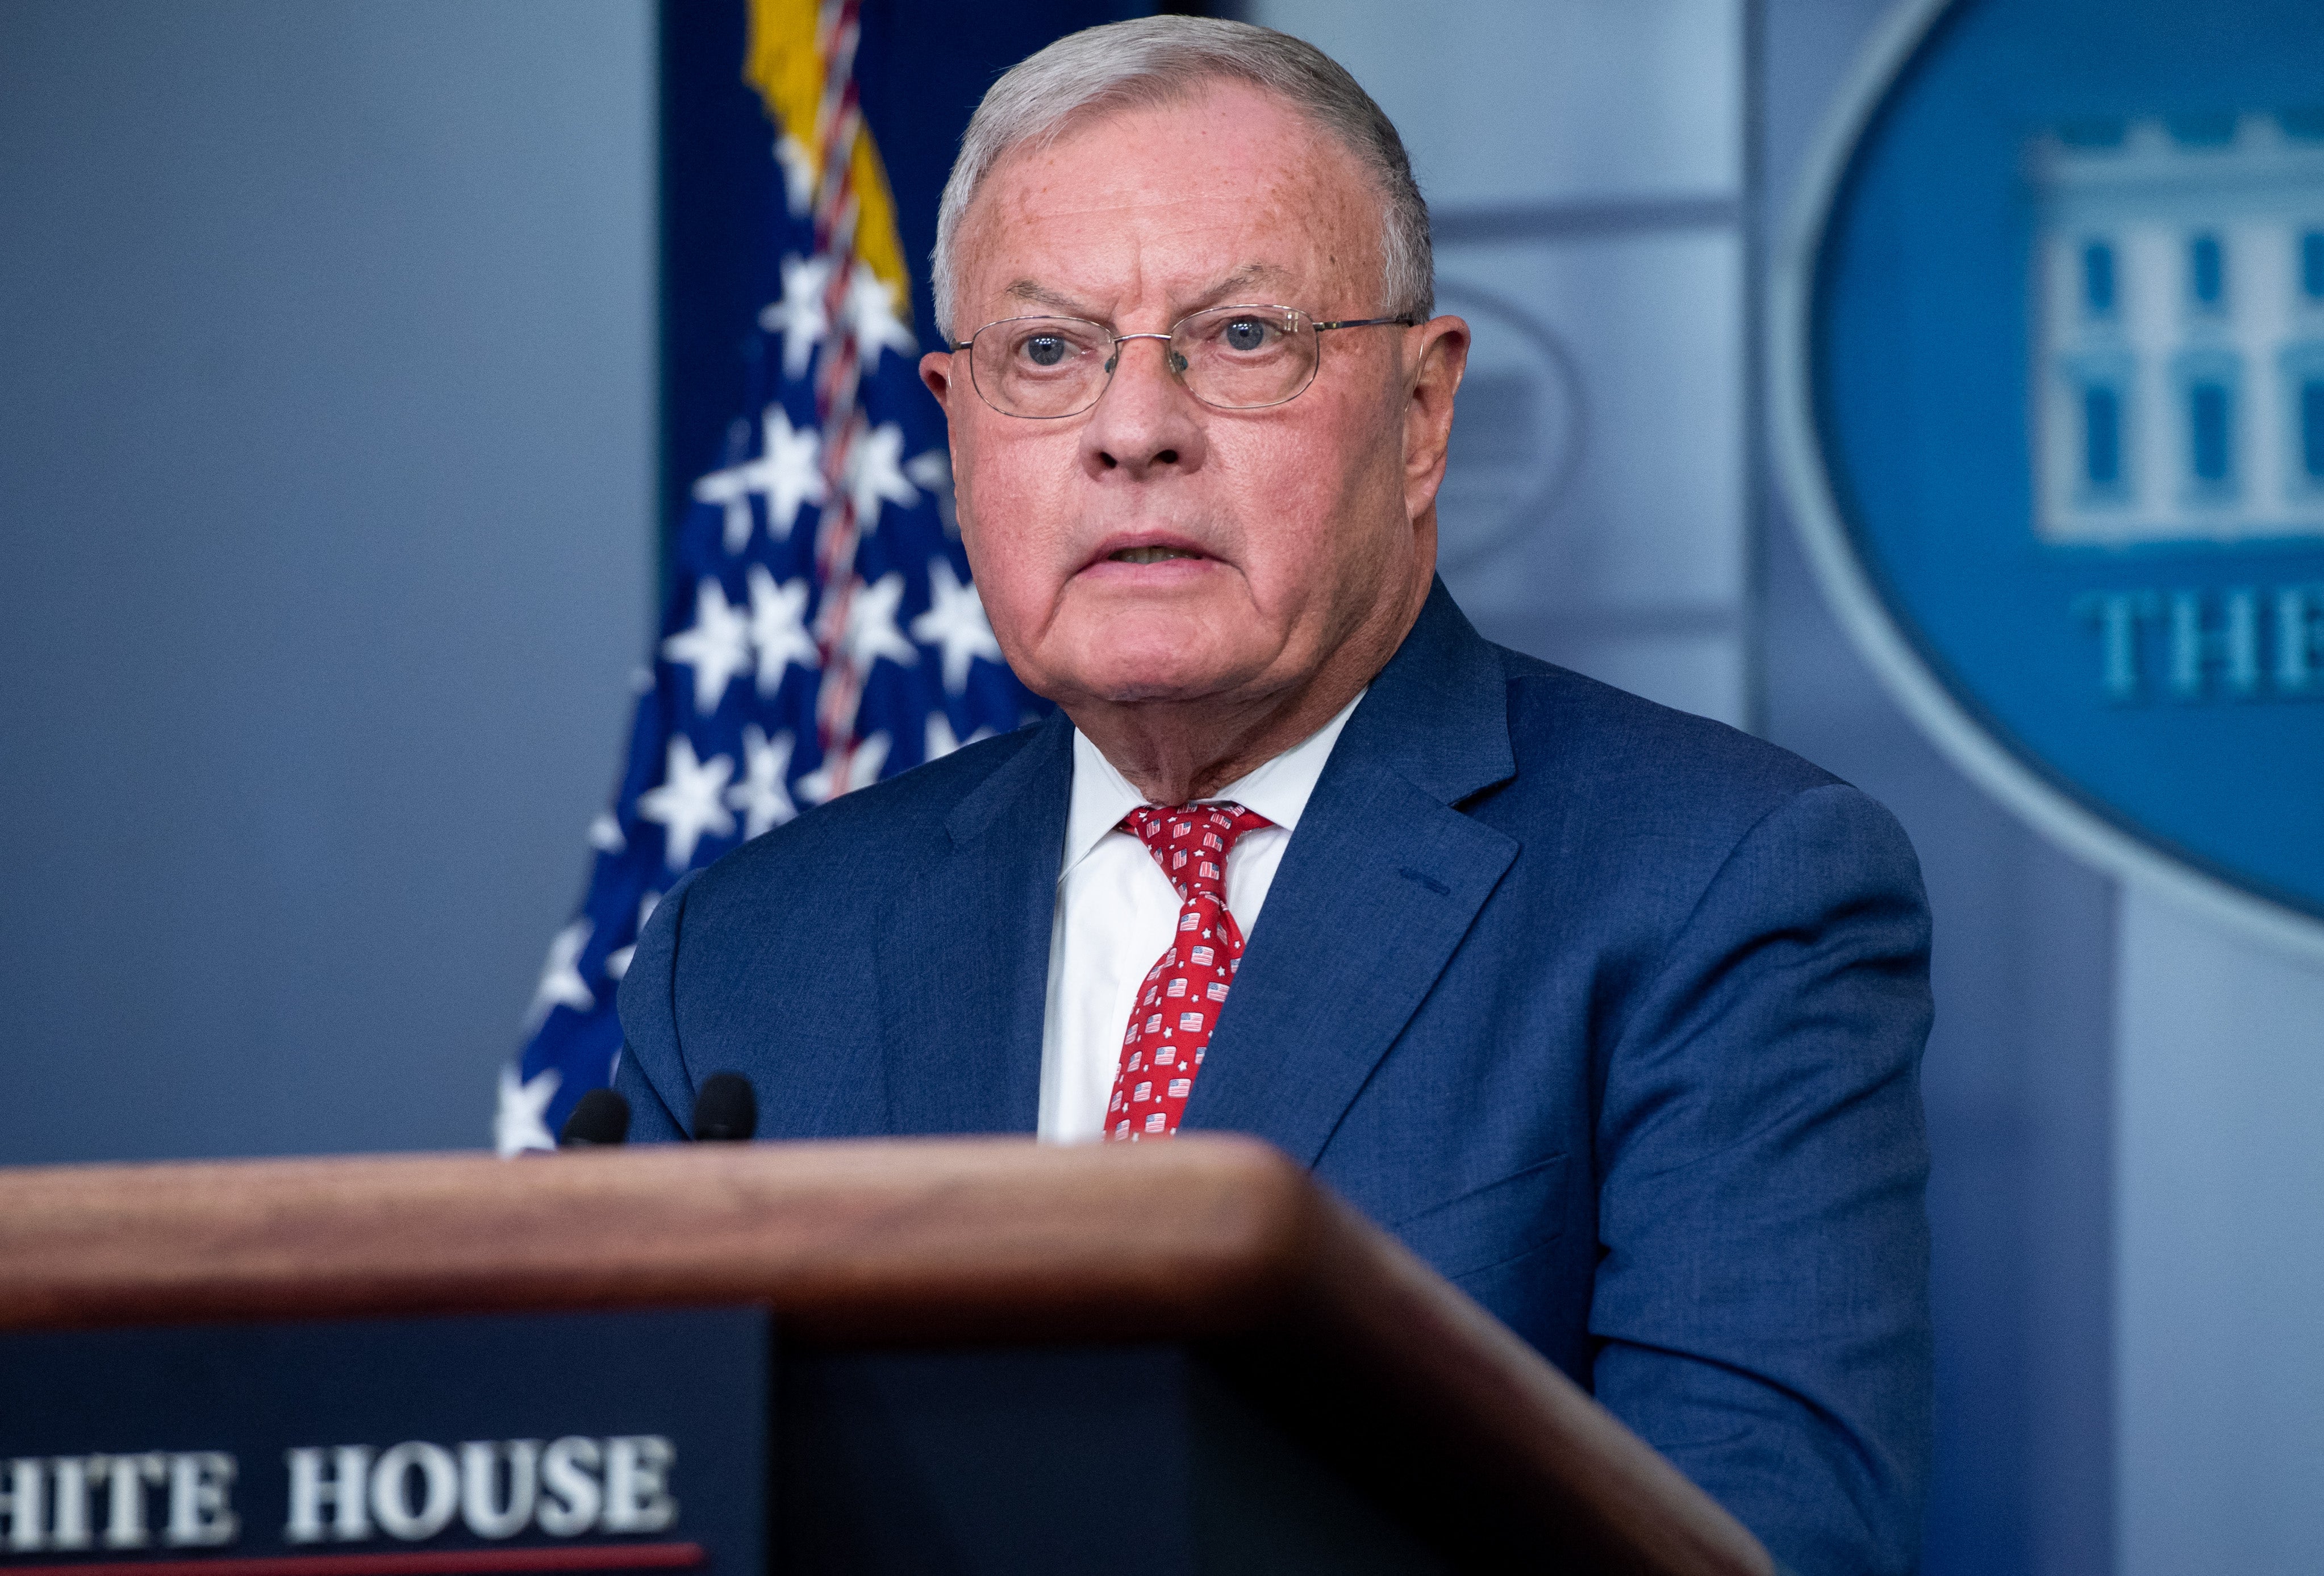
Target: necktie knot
1191, 842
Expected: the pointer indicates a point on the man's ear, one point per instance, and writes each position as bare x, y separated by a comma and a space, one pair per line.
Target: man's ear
936, 371
1441, 357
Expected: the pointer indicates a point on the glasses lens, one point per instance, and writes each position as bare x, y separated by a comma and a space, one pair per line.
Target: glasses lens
1039, 366
1242, 357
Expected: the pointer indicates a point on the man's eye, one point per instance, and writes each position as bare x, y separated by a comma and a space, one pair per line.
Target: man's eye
1246, 333
1044, 349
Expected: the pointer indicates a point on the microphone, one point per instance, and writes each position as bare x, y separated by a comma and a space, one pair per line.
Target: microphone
725, 1110
600, 1118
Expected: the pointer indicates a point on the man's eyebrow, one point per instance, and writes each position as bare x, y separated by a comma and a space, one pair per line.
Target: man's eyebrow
1038, 295
1223, 293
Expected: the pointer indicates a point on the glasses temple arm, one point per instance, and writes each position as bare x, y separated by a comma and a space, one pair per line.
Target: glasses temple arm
1405, 321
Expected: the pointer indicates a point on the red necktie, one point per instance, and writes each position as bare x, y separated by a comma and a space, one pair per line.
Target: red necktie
1179, 1002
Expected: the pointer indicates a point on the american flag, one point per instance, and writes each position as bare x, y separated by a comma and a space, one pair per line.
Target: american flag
821, 631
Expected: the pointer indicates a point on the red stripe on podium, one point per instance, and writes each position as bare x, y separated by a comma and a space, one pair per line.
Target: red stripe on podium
418, 1562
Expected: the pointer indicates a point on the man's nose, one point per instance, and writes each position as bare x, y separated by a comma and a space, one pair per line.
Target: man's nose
1145, 418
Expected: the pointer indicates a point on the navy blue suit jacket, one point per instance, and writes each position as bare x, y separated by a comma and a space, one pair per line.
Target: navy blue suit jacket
1612, 1014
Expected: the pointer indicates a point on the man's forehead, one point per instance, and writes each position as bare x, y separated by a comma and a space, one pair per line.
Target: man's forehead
1228, 148
1229, 197
1224, 113
1114, 172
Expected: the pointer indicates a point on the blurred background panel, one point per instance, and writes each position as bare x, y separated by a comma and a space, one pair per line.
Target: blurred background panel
1629, 559
1585, 168
1516, 104
327, 408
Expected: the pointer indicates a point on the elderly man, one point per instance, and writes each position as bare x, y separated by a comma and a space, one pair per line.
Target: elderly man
1611, 1013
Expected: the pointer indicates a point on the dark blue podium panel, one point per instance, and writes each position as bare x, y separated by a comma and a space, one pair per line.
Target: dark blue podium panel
1133, 1461
413, 1447
681, 1441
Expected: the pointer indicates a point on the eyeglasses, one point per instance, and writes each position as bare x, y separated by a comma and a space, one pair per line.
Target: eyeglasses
1232, 358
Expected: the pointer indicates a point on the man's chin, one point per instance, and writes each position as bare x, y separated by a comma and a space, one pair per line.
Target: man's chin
1129, 651
1163, 679
1148, 687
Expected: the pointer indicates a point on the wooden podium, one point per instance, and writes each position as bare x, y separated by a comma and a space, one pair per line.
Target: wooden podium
989, 1355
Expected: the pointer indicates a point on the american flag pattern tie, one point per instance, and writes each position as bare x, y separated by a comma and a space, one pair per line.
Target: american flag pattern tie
1179, 1001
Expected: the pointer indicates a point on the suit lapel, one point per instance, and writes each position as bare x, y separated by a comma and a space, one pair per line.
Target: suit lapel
1381, 880
965, 960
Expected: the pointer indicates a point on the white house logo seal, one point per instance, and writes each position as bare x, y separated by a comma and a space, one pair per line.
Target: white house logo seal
2049, 351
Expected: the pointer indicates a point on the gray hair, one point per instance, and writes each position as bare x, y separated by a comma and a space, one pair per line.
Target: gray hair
1161, 59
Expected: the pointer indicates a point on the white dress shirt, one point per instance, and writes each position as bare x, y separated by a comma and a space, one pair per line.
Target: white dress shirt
1117, 913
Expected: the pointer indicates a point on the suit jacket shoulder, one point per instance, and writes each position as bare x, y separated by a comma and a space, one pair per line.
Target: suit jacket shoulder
1640, 764
864, 840
875, 966
1639, 809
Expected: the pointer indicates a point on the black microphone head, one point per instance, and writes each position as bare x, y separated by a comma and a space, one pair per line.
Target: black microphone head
599, 1117
725, 1109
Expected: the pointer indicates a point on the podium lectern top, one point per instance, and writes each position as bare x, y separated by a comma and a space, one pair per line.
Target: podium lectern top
902, 1243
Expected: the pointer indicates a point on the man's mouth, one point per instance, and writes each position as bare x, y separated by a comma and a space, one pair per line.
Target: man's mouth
1149, 555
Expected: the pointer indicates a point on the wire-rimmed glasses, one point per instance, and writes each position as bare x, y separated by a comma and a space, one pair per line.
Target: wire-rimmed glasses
1232, 358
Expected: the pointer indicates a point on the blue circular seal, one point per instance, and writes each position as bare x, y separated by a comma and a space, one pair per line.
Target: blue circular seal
2049, 357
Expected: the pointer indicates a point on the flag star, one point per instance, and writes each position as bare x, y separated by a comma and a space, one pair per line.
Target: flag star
605, 834
845, 770
716, 648
517, 1124
790, 472
871, 313
686, 801
799, 174
875, 475
955, 620
732, 488
779, 627
871, 632
561, 984
760, 795
799, 317
941, 741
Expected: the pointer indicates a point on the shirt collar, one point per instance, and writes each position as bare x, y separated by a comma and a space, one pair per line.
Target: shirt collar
1277, 788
